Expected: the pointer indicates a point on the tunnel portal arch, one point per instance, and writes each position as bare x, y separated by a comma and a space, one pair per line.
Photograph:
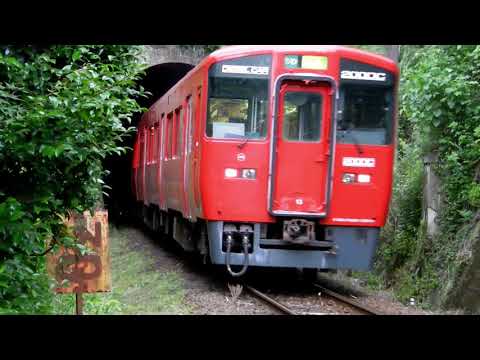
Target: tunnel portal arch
167, 64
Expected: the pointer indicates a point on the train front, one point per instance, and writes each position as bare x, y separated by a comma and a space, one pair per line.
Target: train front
297, 158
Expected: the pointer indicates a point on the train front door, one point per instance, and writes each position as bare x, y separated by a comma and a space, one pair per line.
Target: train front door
301, 153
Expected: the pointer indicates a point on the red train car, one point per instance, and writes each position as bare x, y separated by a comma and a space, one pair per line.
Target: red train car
278, 156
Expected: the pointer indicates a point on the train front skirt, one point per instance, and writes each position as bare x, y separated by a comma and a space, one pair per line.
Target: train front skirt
352, 248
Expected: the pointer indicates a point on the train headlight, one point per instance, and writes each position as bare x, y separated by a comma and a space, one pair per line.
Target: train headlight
231, 173
348, 178
363, 178
249, 173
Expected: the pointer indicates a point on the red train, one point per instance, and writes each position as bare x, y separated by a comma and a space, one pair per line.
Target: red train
278, 156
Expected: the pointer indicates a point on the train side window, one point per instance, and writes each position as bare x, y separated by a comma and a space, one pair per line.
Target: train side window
174, 134
141, 160
162, 137
302, 116
169, 135
189, 121
179, 133
198, 115
147, 145
155, 143
136, 153
151, 144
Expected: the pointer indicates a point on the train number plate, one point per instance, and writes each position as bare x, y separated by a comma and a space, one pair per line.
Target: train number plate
247, 70
358, 162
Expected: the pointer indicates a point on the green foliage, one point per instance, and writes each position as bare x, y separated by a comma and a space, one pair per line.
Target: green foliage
377, 49
93, 304
399, 233
439, 114
474, 195
62, 110
441, 98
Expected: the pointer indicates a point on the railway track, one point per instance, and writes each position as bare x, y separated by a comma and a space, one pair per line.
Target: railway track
356, 304
270, 301
287, 311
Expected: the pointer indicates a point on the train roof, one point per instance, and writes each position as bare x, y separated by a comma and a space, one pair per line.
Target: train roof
233, 51
239, 50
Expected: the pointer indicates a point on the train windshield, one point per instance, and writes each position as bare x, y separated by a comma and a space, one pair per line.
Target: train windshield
238, 98
367, 115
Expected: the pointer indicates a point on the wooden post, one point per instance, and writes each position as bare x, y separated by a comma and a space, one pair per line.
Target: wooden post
79, 302
88, 273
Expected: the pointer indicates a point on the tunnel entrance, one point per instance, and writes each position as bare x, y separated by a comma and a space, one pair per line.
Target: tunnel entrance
120, 202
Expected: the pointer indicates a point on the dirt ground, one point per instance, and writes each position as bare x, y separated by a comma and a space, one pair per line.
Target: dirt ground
205, 290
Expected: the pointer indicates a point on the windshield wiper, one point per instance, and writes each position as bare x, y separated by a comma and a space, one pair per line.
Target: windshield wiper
349, 130
247, 139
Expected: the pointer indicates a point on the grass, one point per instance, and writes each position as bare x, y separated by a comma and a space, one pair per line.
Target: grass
138, 287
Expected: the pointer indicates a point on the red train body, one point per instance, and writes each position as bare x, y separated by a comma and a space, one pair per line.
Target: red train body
273, 156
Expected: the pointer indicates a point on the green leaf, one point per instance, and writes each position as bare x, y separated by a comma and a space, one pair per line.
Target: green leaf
76, 55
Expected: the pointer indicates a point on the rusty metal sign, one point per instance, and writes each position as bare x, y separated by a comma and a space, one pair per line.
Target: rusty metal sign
84, 273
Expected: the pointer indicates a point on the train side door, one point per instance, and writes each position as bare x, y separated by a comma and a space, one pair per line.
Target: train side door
158, 161
142, 165
188, 164
196, 150
163, 154
135, 167
302, 148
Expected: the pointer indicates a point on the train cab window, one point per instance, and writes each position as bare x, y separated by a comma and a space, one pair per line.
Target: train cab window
302, 116
366, 116
237, 108
238, 98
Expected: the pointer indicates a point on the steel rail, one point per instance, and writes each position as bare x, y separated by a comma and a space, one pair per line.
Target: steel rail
349, 301
270, 301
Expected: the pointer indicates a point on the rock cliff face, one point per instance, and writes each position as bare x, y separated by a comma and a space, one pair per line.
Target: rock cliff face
461, 288
431, 196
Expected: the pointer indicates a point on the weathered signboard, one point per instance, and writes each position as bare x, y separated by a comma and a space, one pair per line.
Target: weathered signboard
76, 273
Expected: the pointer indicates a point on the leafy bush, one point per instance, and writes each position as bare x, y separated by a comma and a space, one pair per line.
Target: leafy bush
398, 235
440, 114
62, 110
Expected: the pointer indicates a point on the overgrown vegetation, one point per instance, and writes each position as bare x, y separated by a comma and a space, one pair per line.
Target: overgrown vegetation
62, 110
439, 115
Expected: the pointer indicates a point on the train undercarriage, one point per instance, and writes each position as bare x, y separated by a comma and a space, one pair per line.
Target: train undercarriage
288, 243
